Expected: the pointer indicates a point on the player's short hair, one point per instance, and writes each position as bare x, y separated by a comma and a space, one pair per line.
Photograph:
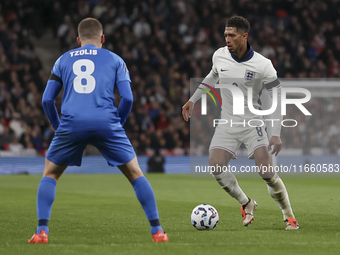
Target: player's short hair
240, 23
90, 28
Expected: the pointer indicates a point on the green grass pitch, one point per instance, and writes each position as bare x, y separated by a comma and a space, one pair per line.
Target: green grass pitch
99, 214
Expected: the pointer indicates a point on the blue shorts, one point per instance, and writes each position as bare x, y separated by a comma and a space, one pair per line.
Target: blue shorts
66, 148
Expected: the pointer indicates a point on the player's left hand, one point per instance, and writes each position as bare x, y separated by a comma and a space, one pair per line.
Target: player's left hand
276, 142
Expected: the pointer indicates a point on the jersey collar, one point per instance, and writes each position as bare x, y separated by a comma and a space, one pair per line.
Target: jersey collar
90, 45
248, 56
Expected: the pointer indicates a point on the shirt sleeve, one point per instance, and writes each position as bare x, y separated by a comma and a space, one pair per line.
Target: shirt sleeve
270, 79
56, 71
126, 100
122, 72
53, 87
211, 79
51, 92
276, 115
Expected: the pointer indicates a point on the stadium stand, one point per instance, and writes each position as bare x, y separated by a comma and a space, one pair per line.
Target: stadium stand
164, 44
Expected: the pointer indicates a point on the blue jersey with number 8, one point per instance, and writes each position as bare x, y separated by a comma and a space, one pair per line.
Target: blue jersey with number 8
89, 75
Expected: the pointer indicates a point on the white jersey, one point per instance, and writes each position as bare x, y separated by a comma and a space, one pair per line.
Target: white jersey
253, 71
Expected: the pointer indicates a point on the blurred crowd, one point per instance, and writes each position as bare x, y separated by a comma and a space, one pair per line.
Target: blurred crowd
164, 44
24, 129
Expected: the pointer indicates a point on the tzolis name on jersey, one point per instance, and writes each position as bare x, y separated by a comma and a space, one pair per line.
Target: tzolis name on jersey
83, 52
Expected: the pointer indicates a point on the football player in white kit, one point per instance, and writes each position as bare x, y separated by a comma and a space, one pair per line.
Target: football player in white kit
237, 61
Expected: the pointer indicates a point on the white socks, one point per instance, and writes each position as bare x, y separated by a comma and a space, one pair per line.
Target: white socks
229, 183
277, 190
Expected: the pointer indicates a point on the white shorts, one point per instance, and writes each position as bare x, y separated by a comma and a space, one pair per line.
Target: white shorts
251, 137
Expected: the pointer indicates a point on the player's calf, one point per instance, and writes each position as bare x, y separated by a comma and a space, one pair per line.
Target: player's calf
219, 158
145, 196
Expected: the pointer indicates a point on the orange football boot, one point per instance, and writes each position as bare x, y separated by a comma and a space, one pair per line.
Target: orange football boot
247, 211
291, 224
160, 237
39, 238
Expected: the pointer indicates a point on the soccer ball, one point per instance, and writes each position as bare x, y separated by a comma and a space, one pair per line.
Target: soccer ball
204, 217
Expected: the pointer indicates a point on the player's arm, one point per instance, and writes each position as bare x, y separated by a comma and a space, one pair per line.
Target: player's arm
271, 83
126, 100
124, 90
53, 87
211, 79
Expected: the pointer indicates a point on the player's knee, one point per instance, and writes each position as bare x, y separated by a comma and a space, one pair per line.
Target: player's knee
216, 165
214, 161
131, 170
264, 159
53, 170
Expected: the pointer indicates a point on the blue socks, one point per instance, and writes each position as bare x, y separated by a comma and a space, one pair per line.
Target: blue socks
142, 187
146, 198
45, 198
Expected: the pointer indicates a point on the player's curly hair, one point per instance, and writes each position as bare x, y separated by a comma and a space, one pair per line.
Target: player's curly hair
240, 23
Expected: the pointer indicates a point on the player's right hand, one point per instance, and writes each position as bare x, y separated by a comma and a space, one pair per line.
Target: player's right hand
187, 109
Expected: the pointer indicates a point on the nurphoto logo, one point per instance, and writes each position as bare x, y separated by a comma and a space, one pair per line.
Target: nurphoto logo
238, 104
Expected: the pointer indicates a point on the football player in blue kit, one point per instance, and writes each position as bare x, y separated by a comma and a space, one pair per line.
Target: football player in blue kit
89, 75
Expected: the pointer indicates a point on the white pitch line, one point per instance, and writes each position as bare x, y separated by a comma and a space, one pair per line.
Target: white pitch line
184, 244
